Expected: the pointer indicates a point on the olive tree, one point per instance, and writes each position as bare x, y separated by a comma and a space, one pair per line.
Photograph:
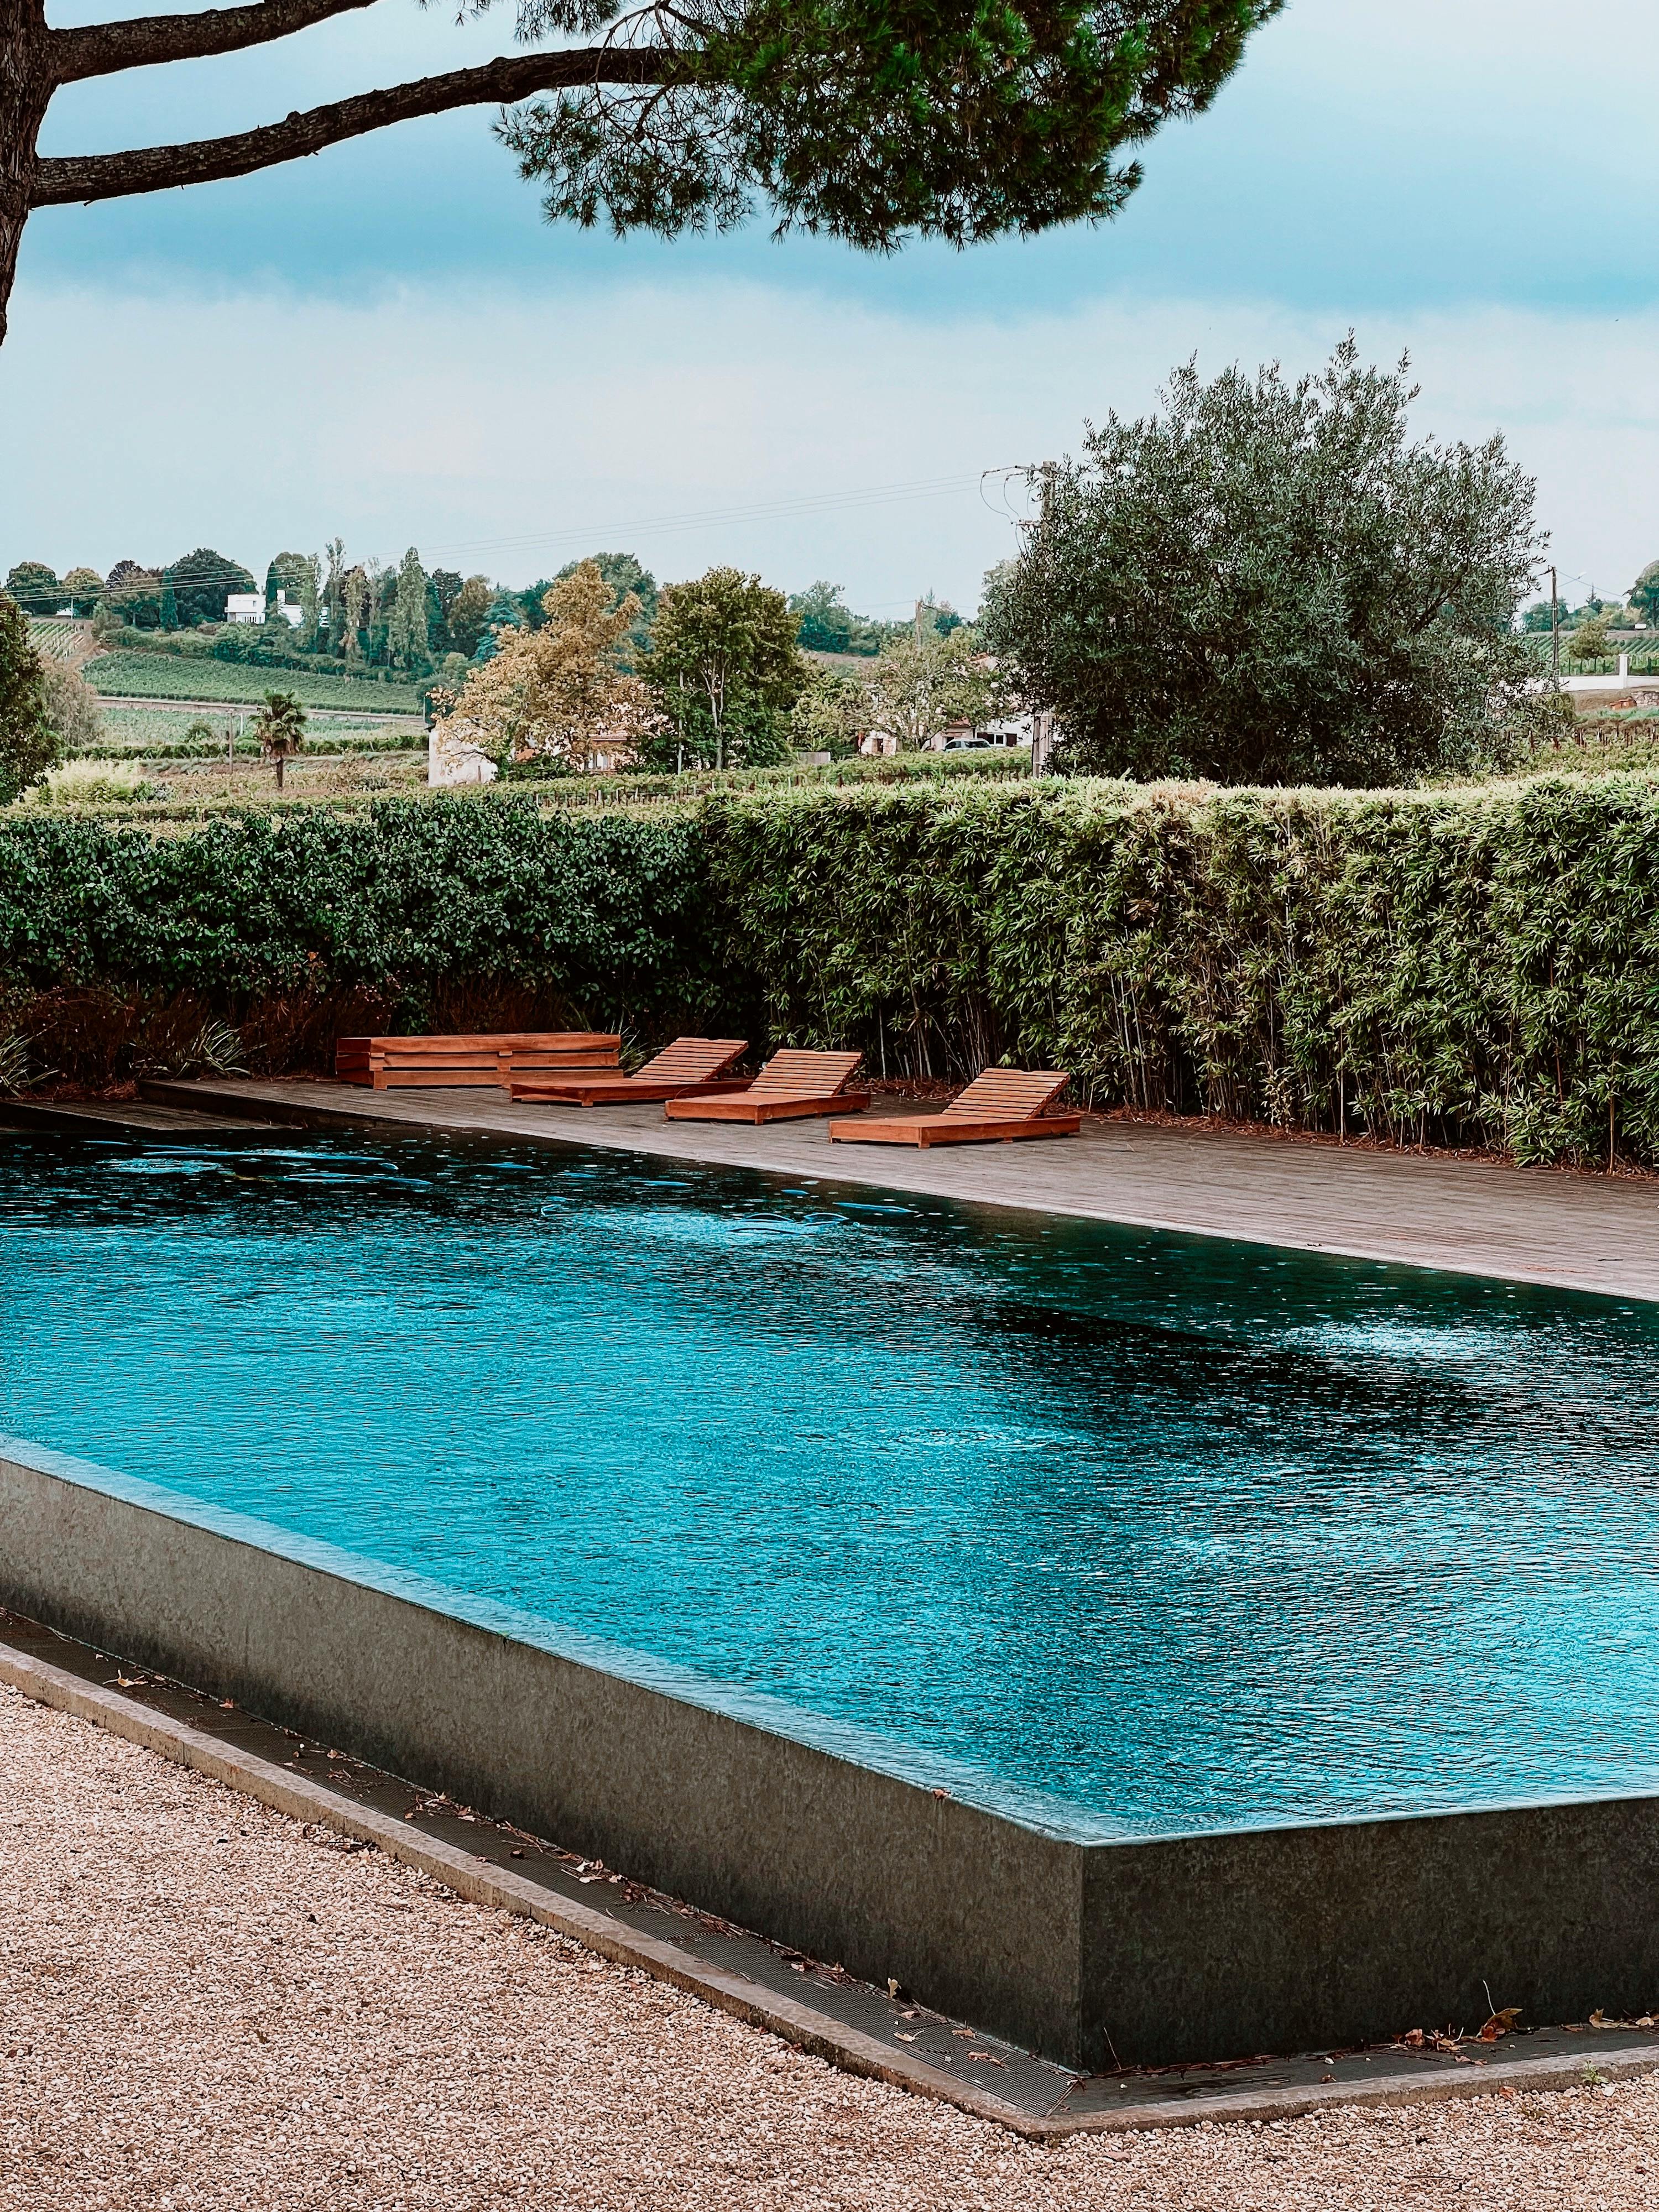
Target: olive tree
1268, 582
868, 121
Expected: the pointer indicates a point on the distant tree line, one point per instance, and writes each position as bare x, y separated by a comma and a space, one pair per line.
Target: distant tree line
1265, 580
609, 671
327, 607
828, 624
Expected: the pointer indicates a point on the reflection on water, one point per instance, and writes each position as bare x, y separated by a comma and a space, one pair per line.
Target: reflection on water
1181, 1534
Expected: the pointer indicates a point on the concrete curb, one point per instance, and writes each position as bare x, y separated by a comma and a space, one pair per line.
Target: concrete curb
479, 1883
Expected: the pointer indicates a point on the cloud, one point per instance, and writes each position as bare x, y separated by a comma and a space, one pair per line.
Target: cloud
1400, 152
509, 433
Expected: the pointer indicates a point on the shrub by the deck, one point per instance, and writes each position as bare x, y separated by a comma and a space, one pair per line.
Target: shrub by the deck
1475, 967
116, 944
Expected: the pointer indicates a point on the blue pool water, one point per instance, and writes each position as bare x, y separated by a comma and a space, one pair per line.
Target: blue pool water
1127, 1533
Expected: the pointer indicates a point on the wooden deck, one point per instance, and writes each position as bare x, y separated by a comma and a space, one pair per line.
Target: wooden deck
125, 1117
1584, 1232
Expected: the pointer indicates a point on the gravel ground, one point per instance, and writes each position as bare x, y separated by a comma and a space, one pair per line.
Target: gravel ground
206, 2007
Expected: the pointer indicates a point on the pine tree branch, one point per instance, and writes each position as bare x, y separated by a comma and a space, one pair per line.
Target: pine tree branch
91, 177
101, 49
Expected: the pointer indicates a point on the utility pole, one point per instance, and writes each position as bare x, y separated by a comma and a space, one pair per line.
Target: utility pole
1555, 635
918, 622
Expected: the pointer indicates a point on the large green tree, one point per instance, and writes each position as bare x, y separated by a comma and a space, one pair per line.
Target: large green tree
132, 596
916, 688
82, 588
202, 581
443, 588
467, 612
288, 572
502, 613
828, 624
1267, 582
333, 596
725, 669
825, 619
28, 743
35, 587
868, 121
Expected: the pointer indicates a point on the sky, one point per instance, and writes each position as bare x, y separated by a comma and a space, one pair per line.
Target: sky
387, 343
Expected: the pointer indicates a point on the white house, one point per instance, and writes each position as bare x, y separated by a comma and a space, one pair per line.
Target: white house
250, 607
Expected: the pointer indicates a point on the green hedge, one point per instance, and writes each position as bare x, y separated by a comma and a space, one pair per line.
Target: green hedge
1464, 968
1477, 967
403, 900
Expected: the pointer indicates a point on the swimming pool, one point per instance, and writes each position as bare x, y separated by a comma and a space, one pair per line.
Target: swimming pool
1122, 1533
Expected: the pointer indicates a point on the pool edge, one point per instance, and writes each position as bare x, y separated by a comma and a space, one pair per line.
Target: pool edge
819, 2033
1142, 1952
977, 1913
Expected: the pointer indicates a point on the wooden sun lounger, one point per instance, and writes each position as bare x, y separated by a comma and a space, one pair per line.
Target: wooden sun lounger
690, 1067
791, 1086
1004, 1103
387, 1063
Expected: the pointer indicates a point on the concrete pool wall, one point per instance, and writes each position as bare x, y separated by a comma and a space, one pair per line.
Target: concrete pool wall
1143, 1953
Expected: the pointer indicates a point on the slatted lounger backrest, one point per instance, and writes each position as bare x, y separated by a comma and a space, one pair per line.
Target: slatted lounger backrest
805, 1075
693, 1059
1013, 1094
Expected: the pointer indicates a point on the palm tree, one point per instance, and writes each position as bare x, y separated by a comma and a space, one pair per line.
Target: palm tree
280, 727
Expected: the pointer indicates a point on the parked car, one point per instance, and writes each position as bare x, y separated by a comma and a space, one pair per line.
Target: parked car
967, 745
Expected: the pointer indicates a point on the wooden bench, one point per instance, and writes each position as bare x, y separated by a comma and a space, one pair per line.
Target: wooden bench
791, 1086
388, 1063
690, 1067
1001, 1104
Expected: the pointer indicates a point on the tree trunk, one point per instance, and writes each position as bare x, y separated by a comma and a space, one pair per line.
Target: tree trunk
281, 764
26, 89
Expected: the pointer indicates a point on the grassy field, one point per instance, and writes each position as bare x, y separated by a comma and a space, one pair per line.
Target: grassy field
194, 789
154, 732
161, 676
